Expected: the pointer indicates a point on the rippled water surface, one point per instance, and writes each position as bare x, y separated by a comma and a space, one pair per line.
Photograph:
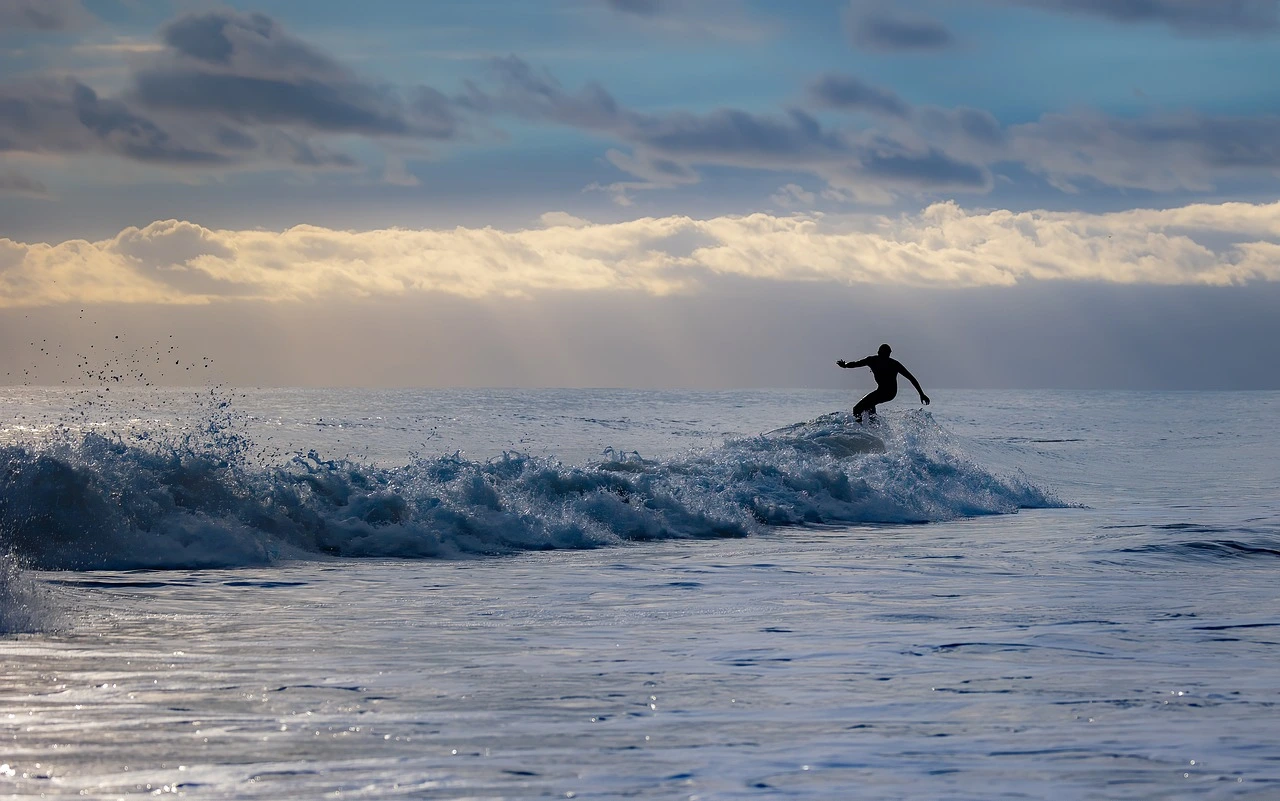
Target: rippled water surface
1121, 647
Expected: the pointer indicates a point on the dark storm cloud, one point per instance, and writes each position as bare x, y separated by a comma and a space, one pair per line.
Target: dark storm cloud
227, 89
1195, 17
967, 125
910, 149
128, 133
933, 169
1159, 153
1163, 153
131, 134
880, 30
792, 140
850, 94
66, 116
733, 134
247, 69
251, 99
252, 41
728, 20
232, 89
534, 93
644, 8
42, 15
1188, 151
724, 133
16, 183
282, 146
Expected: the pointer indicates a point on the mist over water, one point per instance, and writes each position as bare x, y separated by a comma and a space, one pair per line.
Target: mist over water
1039, 334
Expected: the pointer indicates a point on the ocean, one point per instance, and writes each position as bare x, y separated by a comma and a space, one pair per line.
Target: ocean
602, 594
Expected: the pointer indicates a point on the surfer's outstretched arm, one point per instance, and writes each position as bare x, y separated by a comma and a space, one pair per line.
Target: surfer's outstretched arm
858, 363
907, 374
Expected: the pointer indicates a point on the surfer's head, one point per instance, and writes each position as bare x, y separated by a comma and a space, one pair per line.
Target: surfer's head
885, 350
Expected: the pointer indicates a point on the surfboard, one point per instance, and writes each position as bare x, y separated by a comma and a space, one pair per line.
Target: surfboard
836, 433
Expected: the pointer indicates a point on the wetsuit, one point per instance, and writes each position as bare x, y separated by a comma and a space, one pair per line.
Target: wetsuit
885, 369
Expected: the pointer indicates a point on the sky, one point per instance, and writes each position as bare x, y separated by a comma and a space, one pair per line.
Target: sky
643, 193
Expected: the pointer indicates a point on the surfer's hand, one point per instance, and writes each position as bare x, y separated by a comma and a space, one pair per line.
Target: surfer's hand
840, 363
924, 399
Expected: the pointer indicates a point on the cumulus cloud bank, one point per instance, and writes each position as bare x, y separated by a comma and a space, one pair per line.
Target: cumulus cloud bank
944, 246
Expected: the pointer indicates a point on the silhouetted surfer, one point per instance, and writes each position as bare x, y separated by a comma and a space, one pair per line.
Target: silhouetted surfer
886, 372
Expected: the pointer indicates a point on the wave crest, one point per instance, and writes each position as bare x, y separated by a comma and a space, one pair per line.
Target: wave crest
99, 502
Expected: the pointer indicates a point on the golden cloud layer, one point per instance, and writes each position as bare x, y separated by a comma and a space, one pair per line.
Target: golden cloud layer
943, 245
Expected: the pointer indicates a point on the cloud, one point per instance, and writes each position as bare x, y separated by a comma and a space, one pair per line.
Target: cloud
906, 150
396, 173
932, 168
1162, 153
669, 146
643, 8
225, 90
66, 116
555, 219
43, 15
847, 93
14, 182
705, 19
877, 26
653, 172
793, 195
1158, 153
245, 68
942, 246
1191, 17
881, 30
966, 127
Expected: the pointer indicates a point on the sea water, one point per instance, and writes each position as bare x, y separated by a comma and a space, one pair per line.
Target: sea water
624, 594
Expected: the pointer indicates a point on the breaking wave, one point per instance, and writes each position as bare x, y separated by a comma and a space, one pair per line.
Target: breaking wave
25, 604
96, 502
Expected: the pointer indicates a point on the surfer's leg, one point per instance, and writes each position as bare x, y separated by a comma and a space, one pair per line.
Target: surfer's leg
866, 404
869, 403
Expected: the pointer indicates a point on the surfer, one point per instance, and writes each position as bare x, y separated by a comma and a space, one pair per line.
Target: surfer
886, 372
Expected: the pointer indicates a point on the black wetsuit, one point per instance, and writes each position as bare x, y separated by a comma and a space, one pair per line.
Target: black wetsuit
885, 369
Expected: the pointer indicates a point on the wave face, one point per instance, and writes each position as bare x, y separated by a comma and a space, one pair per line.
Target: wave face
102, 503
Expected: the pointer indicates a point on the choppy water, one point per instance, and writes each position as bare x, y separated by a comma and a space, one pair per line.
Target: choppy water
641, 598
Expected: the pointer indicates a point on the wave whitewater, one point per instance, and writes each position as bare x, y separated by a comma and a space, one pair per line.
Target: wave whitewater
103, 503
